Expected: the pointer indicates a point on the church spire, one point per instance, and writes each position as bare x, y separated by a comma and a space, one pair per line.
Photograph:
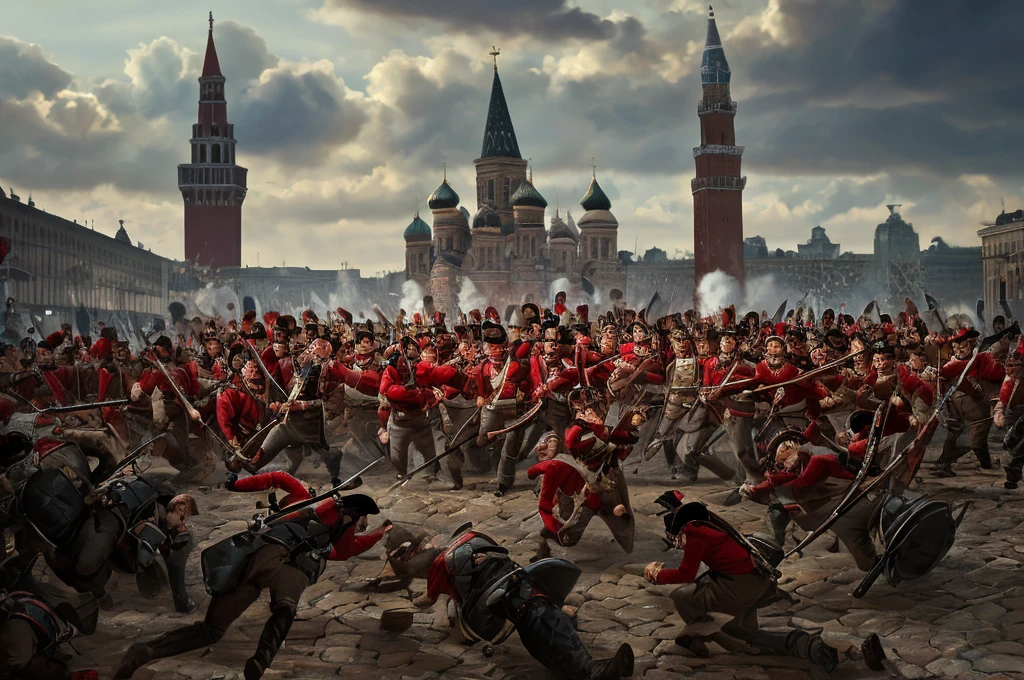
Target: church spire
714, 68
211, 65
499, 136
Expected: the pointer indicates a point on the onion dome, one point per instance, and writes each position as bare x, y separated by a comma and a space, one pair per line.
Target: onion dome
527, 195
595, 199
418, 230
443, 197
487, 217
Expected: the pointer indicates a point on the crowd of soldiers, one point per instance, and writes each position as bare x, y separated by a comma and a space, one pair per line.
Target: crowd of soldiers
823, 421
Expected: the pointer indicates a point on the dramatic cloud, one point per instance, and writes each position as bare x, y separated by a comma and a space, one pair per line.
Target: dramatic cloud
844, 106
548, 19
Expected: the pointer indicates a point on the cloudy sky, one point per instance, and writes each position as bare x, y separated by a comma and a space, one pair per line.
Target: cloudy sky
344, 110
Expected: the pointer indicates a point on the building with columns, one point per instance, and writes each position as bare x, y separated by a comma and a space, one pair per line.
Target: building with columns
718, 187
1002, 254
212, 185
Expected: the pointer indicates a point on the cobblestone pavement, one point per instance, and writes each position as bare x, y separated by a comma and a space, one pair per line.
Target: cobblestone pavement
965, 620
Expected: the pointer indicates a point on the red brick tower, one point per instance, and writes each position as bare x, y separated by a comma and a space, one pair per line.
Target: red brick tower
718, 187
212, 185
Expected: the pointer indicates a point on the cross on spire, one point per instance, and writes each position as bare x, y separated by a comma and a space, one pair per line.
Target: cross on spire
211, 20
593, 167
444, 164
494, 54
529, 168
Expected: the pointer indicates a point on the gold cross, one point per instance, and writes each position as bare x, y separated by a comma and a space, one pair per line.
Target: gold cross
494, 53
211, 20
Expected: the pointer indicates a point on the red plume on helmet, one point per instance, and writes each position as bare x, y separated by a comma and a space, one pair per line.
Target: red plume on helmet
476, 317
560, 307
309, 316
55, 339
583, 313
346, 315
491, 314
270, 319
247, 320
728, 316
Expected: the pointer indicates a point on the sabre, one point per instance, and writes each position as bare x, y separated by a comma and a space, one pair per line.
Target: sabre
254, 353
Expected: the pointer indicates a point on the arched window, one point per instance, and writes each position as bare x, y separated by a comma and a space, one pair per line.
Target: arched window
202, 154
215, 154
508, 185
423, 266
565, 258
533, 247
214, 130
490, 190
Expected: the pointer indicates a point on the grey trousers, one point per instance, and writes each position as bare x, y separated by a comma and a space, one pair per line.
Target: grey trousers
410, 430
495, 418
739, 430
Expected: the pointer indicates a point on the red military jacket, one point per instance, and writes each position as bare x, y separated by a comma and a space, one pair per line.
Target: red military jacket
237, 412
558, 477
819, 468
712, 546
985, 368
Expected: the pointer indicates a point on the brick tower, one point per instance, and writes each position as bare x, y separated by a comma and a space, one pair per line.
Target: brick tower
718, 186
501, 168
212, 185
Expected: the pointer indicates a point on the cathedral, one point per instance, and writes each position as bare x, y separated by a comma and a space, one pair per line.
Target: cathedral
504, 249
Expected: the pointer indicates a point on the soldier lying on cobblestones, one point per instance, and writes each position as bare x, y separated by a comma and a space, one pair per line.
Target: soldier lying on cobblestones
492, 596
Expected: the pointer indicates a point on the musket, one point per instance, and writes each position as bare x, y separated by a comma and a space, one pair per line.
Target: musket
430, 463
78, 407
813, 373
855, 497
130, 459
301, 505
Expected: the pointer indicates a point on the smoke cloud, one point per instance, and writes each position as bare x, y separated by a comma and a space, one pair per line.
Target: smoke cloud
469, 298
716, 291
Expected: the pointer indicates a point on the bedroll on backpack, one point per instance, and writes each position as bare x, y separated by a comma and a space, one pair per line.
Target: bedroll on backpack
52, 505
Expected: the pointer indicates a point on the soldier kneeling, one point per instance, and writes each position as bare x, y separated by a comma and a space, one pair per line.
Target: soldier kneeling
738, 583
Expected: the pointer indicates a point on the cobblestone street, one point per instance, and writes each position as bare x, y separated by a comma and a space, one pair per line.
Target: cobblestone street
965, 620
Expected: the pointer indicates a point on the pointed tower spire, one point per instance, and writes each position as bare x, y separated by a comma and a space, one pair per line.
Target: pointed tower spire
211, 65
499, 136
714, 68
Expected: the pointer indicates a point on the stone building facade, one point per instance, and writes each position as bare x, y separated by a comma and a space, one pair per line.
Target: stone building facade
57, 266
503, 251
1002, 254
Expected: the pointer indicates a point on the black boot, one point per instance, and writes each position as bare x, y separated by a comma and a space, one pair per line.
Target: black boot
135, 658
456, 480
984, 458
811, 647
548, 635
619, 666
1013, 477
274, 633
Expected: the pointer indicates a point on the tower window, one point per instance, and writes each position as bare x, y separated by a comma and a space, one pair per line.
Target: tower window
215, 154
490, 190
448, 243
565, 258
533, 247
214, 130
593, 249
508, 184
604, 248
202, 154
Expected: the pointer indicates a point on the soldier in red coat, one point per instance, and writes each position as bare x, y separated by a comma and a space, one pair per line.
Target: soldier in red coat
971, 403
1009, 413
504, 383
